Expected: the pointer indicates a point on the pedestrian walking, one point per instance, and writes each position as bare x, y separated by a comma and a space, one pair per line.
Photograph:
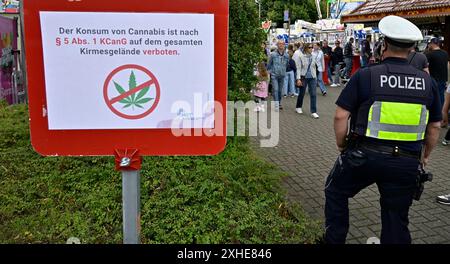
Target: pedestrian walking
438, 65
348, 58
298, 46
366, 51
261, 90
327, 52
289, 79
306, 78
278, 62
418, 60
337, 58
320, 62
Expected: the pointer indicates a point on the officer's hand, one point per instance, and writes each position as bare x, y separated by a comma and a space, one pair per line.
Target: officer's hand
299, 83
424, 162
444, 123
340, 149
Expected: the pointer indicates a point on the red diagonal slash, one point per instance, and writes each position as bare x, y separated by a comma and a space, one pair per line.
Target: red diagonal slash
130, 92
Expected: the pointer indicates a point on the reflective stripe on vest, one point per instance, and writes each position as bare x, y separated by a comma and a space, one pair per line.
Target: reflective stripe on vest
397, 121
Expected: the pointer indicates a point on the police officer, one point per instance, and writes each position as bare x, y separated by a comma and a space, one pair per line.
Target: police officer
394, 113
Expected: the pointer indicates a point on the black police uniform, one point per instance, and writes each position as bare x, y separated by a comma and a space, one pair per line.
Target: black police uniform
392, 165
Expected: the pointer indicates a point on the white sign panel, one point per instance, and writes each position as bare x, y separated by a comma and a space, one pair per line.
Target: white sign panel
128, 70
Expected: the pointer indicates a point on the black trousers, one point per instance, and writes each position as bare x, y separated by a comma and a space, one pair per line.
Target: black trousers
396, 180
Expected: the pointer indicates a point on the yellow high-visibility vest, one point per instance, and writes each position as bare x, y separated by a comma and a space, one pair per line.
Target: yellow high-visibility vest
397, 121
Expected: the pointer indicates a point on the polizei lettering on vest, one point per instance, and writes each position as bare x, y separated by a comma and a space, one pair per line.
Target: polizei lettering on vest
402, 82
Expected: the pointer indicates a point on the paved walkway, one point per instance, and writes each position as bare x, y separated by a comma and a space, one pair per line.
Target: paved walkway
307, 152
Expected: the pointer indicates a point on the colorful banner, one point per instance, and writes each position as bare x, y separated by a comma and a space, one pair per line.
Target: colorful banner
8, 43
9, 6
286, 15
330, 24
341, 8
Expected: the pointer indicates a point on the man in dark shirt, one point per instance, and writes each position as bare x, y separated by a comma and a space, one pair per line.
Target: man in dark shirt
337, 58
418, 60
366, 51
377, 50
348, 58
438, 65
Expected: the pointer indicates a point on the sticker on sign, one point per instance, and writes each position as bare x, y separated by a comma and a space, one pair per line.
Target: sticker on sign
126, 70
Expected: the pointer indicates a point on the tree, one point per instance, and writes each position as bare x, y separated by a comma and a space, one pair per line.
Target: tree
246, 37
298, 9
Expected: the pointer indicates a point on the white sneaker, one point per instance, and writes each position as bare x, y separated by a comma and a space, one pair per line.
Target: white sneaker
334, 85
373, 240
443, 199
262, 108
315, 115
445, 142
299, 110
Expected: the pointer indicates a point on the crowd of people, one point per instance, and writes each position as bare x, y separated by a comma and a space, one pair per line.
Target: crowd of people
298, 67
292, 69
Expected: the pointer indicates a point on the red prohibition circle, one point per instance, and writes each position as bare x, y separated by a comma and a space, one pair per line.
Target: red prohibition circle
109, 101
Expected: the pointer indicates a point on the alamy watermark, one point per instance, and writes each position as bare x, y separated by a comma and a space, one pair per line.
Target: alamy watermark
243, 118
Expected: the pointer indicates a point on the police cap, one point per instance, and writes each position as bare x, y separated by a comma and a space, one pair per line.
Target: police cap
399, 32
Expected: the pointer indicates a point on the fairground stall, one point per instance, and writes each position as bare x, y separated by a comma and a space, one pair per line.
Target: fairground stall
431, 16
11, 88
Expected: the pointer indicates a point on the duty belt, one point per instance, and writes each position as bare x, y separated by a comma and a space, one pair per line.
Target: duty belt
389, 150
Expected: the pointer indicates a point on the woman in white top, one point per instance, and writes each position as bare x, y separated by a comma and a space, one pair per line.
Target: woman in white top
306, 78
320, 61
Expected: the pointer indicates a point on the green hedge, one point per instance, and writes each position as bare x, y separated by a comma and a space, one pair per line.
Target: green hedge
234, 197
245, 51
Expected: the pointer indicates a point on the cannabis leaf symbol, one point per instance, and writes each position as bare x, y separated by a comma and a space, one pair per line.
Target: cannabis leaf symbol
133, 99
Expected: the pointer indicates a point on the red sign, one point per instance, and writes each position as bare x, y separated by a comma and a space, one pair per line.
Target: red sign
94, 142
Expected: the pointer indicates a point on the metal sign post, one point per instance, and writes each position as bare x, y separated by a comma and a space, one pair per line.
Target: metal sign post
129, 163
131, 197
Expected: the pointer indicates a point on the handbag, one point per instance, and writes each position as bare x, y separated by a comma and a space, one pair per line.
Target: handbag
308, 71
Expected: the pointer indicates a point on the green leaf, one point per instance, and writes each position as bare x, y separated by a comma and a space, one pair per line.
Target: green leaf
128, 105
119, 88
138, 105
125, 101
142, 93
132, 85
144, 100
